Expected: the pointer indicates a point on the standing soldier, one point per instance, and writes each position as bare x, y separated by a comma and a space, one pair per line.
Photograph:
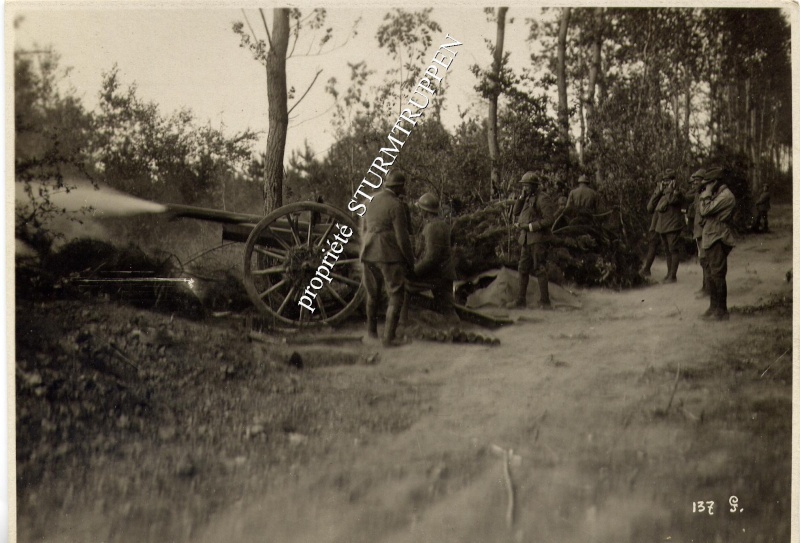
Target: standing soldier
669, 222
535, 214
386, 254
584, 198
694, 219
716, 210
762, 209
653, 238
435, 270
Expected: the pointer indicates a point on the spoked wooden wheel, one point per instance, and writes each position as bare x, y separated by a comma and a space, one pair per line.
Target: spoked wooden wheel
283, 256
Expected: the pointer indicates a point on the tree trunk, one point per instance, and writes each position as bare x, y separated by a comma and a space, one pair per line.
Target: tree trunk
561, 75
594, 69
582, 119
278, 115
688, 111
497, 66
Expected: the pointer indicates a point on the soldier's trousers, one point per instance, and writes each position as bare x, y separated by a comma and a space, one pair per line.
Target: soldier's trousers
761, 219
533, 259
442, 290
717, 256
653, 240
703, 260
673, 251
388, 277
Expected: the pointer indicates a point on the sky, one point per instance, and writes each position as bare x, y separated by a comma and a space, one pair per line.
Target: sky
191, 58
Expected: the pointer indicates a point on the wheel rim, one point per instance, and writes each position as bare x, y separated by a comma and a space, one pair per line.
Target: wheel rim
282, 255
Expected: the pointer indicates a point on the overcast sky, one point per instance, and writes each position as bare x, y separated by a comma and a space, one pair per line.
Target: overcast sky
191, 58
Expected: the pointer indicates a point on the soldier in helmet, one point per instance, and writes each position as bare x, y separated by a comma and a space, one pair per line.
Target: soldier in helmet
434, 270
386, 254
534, 214
717, 204
583, 200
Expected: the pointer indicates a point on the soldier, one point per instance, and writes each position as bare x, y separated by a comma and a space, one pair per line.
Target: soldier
535, 214
653, 238
583, 198
694, 219
762, 209
434, 270
717, 204
386, 254
669, 222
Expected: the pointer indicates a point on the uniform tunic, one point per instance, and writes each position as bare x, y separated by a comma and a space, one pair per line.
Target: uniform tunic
386, 249
583, 197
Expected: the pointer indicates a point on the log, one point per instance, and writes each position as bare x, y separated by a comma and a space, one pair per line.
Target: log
464, 313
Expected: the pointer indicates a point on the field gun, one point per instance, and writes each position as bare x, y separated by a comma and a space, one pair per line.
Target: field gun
282, 253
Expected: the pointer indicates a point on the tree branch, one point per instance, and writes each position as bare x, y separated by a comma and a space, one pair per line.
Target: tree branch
304, 94
252, 32
296, 38
266, 27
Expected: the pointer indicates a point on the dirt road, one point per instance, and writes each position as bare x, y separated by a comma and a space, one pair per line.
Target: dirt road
606, 446
603, 423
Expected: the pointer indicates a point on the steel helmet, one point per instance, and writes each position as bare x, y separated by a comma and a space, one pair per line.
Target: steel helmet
395, 179
530, 178
428, 202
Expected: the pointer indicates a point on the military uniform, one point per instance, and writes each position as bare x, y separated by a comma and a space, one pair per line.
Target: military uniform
653, 238
435, 269
717, 204
535, 215
762, 210
669, 223
695, 221
584, 200
387, 257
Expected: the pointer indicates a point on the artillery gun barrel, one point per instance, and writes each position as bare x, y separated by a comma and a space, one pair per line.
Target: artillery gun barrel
212, 215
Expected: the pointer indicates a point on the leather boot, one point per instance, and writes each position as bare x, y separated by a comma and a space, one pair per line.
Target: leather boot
522, 297
404, 310
704, 290
390, 327
722, 299
712, 308
372, 320
652, 248
668, 277
673, 271
544, 292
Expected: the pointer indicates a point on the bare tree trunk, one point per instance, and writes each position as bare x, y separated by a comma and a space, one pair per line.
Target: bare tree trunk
582, 119
497, 65
561, 74
594, 69
278, 115
688, 105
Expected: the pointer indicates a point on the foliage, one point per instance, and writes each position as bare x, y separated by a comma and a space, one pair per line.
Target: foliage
145, 153
51, 143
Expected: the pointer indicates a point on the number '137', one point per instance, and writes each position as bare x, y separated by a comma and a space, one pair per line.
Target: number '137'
702, 507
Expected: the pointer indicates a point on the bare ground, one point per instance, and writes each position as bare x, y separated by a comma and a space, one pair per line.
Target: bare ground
619, 416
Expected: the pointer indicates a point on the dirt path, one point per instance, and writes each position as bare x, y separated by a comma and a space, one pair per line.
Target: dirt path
581, 397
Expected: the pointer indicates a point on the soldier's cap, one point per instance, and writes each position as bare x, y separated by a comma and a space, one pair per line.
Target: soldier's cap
530, 178
395, 179
583, 179
428, 202
712, 174
668, 174
699, 173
